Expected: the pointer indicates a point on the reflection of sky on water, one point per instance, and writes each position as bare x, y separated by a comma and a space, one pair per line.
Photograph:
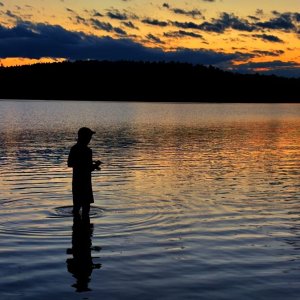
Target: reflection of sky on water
172, 198
52, 115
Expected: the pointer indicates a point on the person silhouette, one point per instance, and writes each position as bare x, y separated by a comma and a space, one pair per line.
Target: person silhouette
80, 159
81, 264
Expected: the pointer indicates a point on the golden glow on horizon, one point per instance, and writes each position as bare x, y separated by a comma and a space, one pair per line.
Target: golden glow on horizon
19, 61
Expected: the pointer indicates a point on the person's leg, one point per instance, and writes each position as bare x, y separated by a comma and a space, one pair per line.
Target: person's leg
76, 207
85, 209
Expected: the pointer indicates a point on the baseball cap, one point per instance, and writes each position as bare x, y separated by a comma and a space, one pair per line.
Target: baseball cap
85, 131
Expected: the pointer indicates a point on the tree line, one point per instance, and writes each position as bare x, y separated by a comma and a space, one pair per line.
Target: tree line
142, 81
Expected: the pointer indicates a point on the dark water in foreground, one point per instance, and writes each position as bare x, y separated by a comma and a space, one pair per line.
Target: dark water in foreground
195, 201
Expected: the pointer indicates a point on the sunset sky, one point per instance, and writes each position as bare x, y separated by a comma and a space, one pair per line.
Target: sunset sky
239, 35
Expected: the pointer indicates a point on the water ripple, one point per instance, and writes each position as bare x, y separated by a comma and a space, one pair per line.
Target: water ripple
196, 209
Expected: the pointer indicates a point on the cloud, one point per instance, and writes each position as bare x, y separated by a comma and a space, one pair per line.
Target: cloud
191, 13
70, 10
154, 39
1, 4
270, 64
268, 38
283, 21
94, 13
129, 24
36, 40
259, 12
120, 31
280, 68
297, 17
182, 33
10, 14
105, 26
231, 21
79, 20
225, 21
186, 25
287, 22
101, 25
115, 14
254, 18
268, 53
155, 22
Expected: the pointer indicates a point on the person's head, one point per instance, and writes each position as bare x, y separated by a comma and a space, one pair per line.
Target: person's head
84, 135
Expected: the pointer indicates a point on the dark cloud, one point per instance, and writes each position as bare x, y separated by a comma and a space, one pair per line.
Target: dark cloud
10, 14
191, 13
283, 21
115, 14
120, 31
101, 25
129, 24
186, 25
297, 17
231, 21
270, 64
21, 31
70, 10
275, 13
288, 69
268, 38
1, 4
79, 20
254, 18
268, 53
95, 13
291, 71
242, 56
212, 27
182, 33
276, 63
105, 26
226, 21
122, 16
259, 12
154, 39
155, 22
32, 40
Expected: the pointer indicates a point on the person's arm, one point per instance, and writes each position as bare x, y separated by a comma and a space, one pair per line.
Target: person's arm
71, 159
95, 165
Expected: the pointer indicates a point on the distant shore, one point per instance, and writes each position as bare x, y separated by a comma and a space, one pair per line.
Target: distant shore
142, 81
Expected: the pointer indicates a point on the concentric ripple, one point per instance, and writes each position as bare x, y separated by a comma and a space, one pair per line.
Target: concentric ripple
66, 211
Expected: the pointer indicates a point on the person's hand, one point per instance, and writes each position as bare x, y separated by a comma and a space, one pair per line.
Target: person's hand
97, 164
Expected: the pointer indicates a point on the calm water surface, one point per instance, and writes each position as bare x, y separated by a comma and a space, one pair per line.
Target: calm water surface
194, 201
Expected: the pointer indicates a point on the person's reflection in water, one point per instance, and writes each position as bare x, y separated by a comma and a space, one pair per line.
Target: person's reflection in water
81, 264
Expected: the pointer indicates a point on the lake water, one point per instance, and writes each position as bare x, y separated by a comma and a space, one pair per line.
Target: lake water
194, 201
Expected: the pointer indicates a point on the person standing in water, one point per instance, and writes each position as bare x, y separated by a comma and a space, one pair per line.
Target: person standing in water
81, 160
